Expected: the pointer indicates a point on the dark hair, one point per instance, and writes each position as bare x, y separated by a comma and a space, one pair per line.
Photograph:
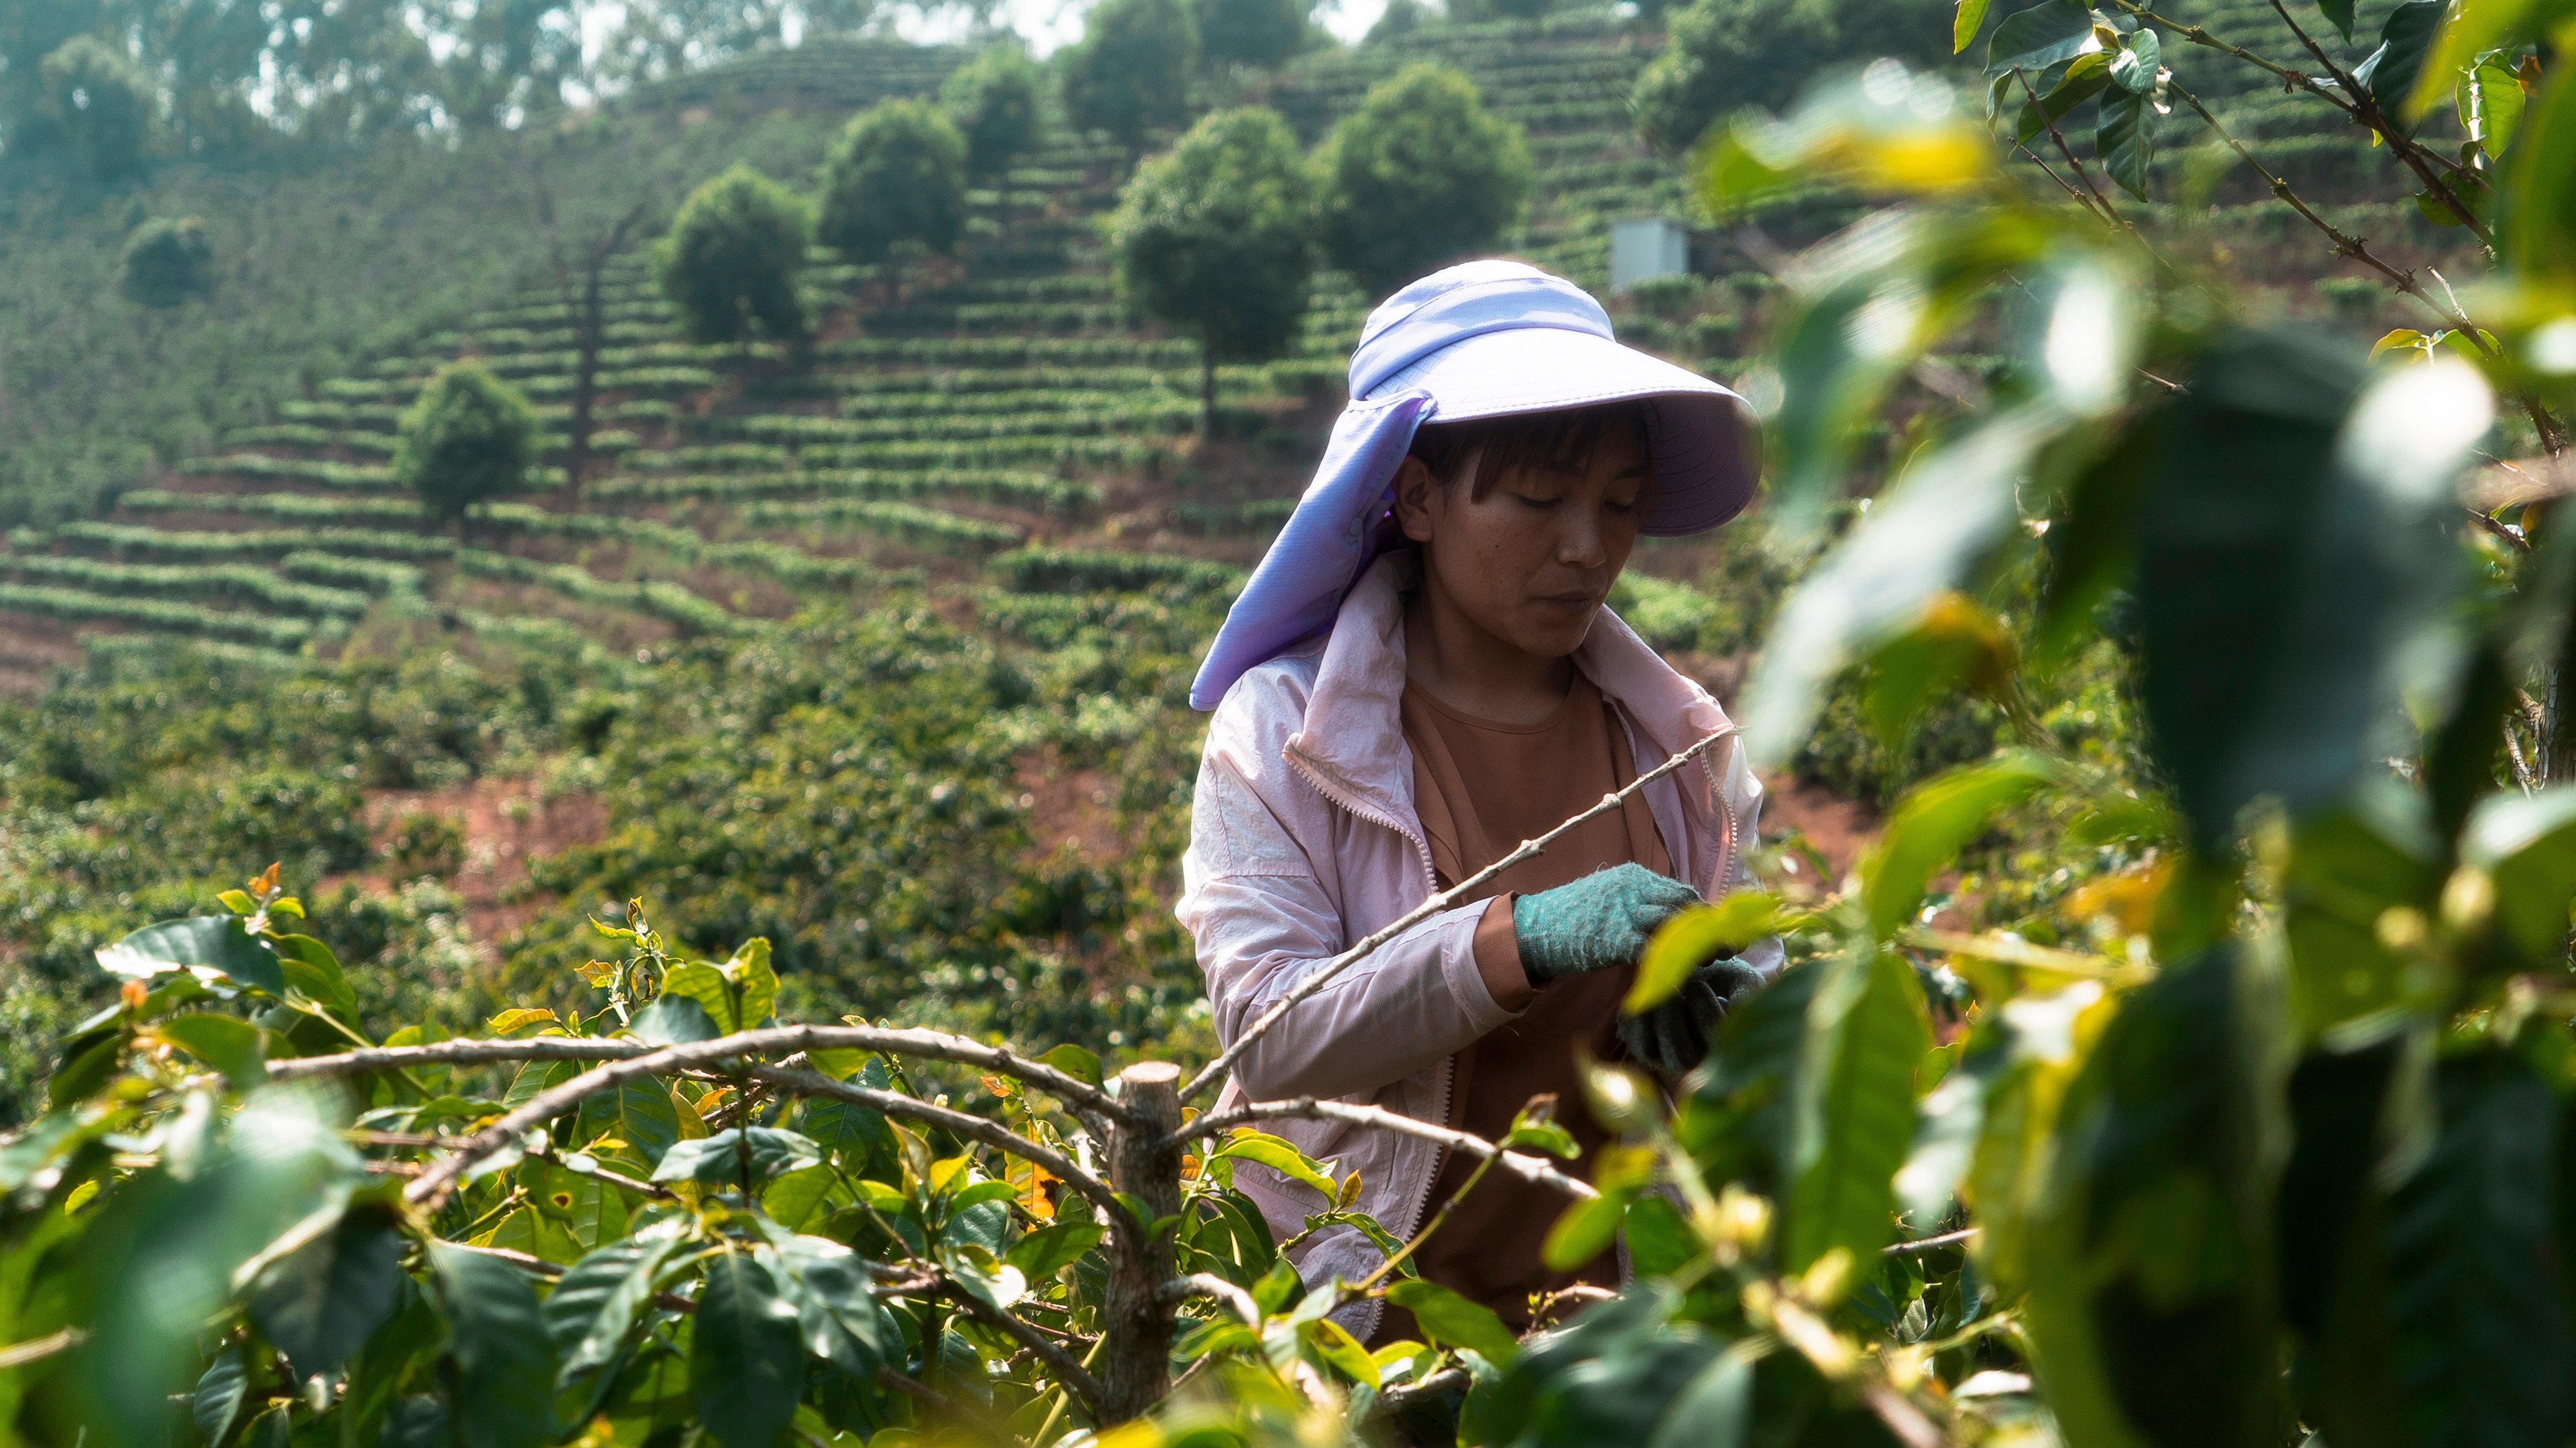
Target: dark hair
1553, 442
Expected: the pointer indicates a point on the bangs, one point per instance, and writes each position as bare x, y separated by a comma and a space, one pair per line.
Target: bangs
1562, 441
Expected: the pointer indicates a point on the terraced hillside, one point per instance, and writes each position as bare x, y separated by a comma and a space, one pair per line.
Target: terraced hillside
997, 404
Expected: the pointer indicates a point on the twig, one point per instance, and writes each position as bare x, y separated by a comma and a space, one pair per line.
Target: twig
1306, 1108
935, 1045
37, 1349
2290, 79
972, 1128
2365, 109
2519, 543
1928, 1244
1068, 1369
1208, 1284
2082, 199
1439, 1218
2100, 201
1465, 889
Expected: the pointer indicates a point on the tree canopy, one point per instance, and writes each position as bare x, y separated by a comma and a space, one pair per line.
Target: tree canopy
468, 438
897, 174
1130, 73
1420, 175
102, 104
1726, 55
167, 262
1216, 236
732, 257
1253, 32
996, 101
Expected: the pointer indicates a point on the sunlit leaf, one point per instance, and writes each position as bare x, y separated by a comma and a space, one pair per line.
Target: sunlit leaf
1453, 1321
311, 968
212, 946
1965, 23
1693, 938
1584, 1232
1043, 1253
1937, 819
2124, 137
1853, 1121
1278, 1154
228, 1043
2527, 846
2047, 34
723, 1158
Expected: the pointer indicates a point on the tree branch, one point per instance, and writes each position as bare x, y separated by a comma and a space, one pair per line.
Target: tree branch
1067, 1369
1208, 1284
2365, 109
932, 1045
2040, 107
1465, 889
1306, 1108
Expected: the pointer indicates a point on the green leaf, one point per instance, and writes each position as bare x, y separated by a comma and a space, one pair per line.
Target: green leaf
718, 1158
2139, 66
2084, 79
601, 1298
210, 946
321, 1303
1075, 1062
2348, 867
1660, 1243
2340, 13
2330, 1220
2537, 202
505, 1363
1452, 1321
1693, 939
1715, 1411
1919, 539
2481, 26
637, 1112
1964, 25
1048, 1250
2295, 553
216, 1406
2092, 545
1584, 1232
705, 985
674, 1021
311, 968
2481, 1330
1853, 1120
2390, 72
2045, 35
1934, 822
746, 1355
2125, 138
1279, 1155
2491, 103
228, 1043
2163, 1139
838, 1318
1335, 1345
2527, 844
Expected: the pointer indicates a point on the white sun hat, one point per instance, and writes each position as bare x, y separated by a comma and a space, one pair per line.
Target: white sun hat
1478, 340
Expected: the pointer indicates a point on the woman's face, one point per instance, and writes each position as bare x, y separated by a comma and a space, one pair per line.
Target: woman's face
1531, 561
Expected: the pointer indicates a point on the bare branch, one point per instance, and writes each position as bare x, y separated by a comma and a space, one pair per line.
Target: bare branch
2365, 109
1306, 1108
1929, 1244
1464, 890
970, 1127
931, 1045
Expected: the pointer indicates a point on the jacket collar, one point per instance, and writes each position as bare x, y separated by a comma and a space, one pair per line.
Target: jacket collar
1353, 735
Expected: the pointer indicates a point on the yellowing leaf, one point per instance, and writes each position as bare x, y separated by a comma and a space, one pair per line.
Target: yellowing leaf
520, 1019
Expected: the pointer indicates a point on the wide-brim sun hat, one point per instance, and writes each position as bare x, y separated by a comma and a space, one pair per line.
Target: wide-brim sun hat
1478, 340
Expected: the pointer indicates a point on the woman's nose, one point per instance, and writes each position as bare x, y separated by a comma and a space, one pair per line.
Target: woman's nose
1580, 545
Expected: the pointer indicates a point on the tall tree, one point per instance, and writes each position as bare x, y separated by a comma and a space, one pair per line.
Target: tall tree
30, 30
897, 174
1217, 236
1419, 176
996, 102
102, 103
1722, 55
208, 55
732, 257
1253, 32
661, 38
349, 70
1130, 72
507, 61
581, 277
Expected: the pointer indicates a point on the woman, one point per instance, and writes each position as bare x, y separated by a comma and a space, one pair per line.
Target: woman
1420, 675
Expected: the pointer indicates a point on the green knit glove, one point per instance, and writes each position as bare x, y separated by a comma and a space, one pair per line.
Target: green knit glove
1599, 922
1674, 1037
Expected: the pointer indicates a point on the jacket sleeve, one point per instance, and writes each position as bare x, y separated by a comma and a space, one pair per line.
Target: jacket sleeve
1261, 898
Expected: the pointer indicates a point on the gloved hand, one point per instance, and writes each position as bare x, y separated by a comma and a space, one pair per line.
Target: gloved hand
1674, 1037
1596, 923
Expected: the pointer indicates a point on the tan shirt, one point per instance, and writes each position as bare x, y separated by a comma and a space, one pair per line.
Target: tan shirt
1481, 788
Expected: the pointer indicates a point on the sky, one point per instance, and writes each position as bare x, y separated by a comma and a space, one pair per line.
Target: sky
1045, 24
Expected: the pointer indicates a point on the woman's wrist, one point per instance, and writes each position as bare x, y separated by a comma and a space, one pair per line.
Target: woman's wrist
1498, 956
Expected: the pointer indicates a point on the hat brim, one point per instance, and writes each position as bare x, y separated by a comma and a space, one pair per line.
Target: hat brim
1706, 444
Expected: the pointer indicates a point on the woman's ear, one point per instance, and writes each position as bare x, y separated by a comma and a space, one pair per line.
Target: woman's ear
1418, 499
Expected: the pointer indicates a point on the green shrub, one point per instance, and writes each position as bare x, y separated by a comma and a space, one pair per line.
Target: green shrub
167, 263
1419, 176
1217, 237
1064, 570
896, 175
470, 437
902, 521
732, 257
425, 843
1259, 33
